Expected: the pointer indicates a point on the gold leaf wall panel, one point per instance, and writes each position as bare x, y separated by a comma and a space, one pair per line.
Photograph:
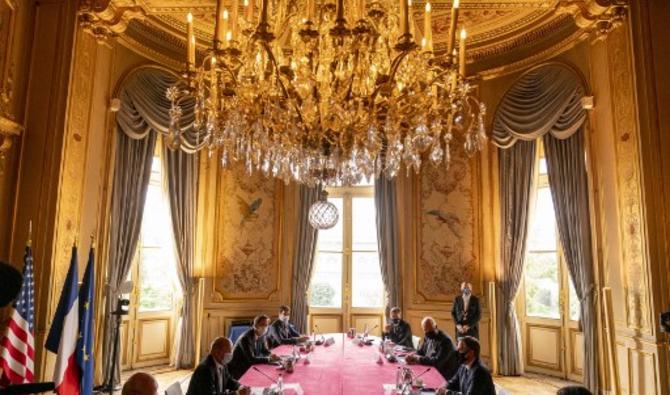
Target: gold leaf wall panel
248, 232
446, 240
632, 231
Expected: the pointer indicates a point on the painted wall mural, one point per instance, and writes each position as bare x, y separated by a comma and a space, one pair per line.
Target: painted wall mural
446, 239
247, 236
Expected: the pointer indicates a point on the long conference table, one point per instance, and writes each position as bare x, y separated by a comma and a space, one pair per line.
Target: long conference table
341, 368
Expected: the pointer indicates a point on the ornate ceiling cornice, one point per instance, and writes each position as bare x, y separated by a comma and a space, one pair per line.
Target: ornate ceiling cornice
106, 18
503, 32
598, 17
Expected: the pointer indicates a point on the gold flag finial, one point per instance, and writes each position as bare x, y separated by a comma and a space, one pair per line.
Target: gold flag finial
92, 240
29, 243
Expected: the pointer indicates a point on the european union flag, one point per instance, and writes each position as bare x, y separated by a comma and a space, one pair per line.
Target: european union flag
85, 339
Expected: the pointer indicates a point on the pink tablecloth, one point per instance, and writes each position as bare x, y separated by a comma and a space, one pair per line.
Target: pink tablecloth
342, 368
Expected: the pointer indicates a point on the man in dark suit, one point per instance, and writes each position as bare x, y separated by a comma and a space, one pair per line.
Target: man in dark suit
211, 377
436, 350
466, 313
282, 330
398, 330
472, 377
252, 348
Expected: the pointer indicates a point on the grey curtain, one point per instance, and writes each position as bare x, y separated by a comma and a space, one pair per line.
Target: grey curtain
144, 110
387, 239
569, 189
544, 100
132, 169
181, 180
303, 260
515, 168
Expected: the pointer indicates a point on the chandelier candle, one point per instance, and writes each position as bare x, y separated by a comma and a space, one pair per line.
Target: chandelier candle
249, 10
404, 17
461, 53
234, 20
452, 26
190, 40
428, 28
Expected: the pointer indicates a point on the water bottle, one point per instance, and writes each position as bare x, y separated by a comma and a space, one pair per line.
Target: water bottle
398, 378
280, 384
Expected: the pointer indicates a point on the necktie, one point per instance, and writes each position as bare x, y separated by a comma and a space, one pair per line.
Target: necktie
220, 379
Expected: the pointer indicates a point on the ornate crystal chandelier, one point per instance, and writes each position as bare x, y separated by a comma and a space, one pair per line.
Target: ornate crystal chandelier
323, 93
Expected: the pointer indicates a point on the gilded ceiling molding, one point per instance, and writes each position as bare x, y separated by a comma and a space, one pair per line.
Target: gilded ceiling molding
537, 58
106, 18
598, 17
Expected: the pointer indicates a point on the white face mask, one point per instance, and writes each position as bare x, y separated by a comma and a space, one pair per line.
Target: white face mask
285, 318
227, 358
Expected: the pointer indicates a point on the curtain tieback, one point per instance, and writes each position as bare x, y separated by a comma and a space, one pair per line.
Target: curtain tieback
590, 291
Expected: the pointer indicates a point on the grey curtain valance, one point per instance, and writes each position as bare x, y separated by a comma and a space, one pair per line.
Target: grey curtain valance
143, 114
145, 107
545, 100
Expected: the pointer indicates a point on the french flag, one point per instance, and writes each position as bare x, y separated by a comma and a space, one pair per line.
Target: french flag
62, 338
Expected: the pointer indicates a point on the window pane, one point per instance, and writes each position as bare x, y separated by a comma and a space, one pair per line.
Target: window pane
542, 235
543, 166
331, 239
542, 286
326, 287
364, 225
574, 302
367, 287
156, 226
155, 284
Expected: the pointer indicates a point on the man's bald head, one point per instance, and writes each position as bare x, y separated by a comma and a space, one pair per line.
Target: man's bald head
220, 347
140, 384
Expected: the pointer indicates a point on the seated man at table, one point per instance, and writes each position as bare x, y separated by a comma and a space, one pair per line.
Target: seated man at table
140, 383
436, 350
282, 330
211, 377
252, 348
398, 330
472, 377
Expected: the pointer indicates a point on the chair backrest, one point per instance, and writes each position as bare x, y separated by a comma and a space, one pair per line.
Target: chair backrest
174, 389
415, 341
236, 330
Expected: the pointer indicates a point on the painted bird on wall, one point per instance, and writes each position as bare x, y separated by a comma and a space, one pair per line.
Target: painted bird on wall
248, 210
451, 220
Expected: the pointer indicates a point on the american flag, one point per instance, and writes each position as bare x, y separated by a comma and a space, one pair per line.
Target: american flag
17, 346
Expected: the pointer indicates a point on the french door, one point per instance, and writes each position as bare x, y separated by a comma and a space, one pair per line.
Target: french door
547, 303
148, 330
346, 289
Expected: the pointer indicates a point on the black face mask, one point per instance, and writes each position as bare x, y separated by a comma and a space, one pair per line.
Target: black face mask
431, 335
395, 321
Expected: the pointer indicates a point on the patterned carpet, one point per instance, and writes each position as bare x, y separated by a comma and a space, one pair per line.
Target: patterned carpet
530, 384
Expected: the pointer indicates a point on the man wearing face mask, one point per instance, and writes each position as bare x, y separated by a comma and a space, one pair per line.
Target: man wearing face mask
466, 313
472, 377
251, 348
212, 377
436, 350
398, 330
282, 330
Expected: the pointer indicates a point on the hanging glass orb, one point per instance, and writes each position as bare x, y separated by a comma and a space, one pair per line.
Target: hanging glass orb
323, 214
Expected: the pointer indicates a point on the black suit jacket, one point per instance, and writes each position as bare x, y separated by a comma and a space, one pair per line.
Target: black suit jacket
400, 334
470, 317
248, 351
474, 381
282, 333
204, 380
440, 353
